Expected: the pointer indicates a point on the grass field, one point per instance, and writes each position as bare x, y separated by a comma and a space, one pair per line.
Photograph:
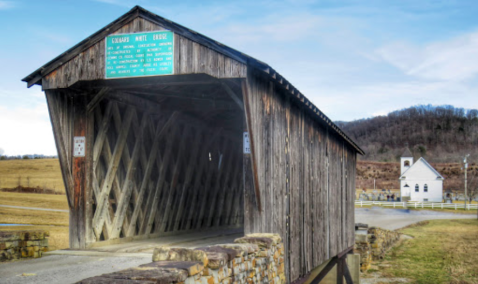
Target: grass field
441, 251
34, 200
43, 173
54, 222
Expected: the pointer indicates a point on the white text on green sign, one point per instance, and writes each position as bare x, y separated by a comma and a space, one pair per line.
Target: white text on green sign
140, 54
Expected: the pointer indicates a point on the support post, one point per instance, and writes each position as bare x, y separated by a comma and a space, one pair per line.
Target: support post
340, 270
77, 212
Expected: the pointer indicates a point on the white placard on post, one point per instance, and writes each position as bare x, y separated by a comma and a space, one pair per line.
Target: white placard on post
247, 144
79, 146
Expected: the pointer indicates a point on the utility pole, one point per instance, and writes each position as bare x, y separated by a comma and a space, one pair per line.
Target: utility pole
466, 167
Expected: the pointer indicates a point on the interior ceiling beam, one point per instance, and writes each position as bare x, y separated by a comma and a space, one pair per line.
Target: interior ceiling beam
97, 99
165, 103
152, 81
169, 93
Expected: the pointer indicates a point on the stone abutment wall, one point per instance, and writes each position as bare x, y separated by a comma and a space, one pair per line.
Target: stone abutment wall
373, 245
255, 258
22, 244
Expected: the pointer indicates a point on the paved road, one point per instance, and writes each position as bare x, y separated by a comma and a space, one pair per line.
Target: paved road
393, 219
35, 208
65, 268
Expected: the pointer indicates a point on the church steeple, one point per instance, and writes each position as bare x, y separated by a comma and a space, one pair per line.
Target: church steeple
406, 161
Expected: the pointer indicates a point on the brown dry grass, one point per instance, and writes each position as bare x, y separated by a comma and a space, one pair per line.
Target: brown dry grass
54, 222
34, 200
35, 217
43, 173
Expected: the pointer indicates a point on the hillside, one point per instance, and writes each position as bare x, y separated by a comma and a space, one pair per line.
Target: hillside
441, 134
386, 175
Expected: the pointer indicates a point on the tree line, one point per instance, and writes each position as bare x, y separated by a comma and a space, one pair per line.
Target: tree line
441, 134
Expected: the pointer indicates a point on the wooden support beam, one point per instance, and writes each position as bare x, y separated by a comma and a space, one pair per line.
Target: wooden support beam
348, 277
216, 210
203, 165
237, 199
146, 175
127, 187
325, 271
90, 130
168, 202
102, 130
231, 198
233, 95
105, 188
340, 270
206, 194
191, 167
253, 158
77, 213
106, 153
152, 204
60, 116
97, 99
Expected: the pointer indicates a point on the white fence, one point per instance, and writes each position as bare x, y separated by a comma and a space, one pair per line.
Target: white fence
431, 205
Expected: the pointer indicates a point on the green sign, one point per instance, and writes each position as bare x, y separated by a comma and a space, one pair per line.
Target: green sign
139, 54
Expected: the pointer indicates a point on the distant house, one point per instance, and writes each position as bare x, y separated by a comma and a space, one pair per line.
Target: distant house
419, 181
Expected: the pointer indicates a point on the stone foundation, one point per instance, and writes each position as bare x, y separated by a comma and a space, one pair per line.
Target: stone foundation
255, 258
22, 244
373, 245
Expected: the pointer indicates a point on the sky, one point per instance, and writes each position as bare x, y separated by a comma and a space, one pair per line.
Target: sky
353, 58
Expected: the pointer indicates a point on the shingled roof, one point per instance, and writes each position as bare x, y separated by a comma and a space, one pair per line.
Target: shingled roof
35, 78
407, 153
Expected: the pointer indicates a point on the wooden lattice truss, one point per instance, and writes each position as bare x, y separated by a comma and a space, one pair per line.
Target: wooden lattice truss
152, 170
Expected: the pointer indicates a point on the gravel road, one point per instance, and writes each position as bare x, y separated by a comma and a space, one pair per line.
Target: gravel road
393, 219
64, 268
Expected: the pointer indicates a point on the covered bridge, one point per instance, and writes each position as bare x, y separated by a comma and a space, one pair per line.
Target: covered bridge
161, 130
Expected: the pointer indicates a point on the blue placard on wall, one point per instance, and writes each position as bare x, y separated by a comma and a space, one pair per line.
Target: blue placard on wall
139, 54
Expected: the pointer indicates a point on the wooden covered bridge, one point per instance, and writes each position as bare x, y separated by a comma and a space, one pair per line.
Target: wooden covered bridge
163, 131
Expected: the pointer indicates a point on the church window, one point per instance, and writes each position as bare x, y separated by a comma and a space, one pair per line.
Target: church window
425, 188
406, 164
417, 188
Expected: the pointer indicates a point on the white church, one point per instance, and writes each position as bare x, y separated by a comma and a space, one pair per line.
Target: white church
419, 181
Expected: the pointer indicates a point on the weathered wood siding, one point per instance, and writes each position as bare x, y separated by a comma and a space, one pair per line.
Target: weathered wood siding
303, 174
189, 58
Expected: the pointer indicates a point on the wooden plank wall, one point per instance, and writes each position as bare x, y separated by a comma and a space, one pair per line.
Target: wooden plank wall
189, 58
62, 116
303, 175
148, 173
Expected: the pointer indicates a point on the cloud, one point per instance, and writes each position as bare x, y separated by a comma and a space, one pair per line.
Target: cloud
5, 5
26, 130
368, 100
451, 60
